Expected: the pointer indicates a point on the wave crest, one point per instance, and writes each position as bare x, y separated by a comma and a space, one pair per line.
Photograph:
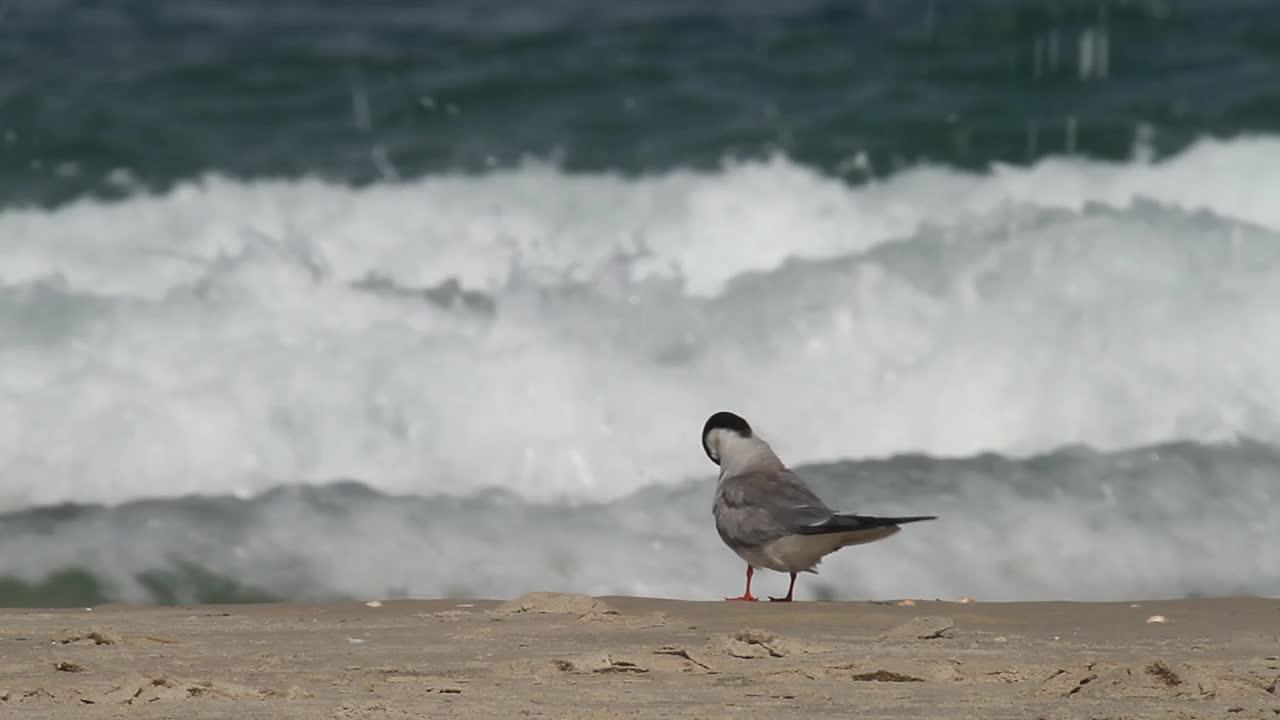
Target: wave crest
563, 336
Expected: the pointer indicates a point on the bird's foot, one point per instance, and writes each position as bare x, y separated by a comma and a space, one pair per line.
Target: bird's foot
781, 599
745, 596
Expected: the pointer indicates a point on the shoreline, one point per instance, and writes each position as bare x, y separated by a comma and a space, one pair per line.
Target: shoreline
572, 656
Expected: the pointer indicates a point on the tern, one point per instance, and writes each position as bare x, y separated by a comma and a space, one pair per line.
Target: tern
767, 515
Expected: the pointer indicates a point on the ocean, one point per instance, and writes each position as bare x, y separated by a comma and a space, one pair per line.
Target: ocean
313, 300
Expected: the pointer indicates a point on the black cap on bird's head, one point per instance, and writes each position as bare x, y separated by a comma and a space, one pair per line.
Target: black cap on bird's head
723, 421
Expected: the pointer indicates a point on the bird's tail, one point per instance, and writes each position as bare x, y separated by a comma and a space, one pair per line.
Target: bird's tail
850, 522
896, 520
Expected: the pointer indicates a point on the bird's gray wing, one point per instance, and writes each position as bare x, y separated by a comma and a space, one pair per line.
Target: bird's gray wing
754, 508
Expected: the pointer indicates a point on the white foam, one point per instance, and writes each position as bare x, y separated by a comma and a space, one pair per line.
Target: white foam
709, 226
160, 345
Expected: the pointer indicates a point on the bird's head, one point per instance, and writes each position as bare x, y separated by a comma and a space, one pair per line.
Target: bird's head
731, 443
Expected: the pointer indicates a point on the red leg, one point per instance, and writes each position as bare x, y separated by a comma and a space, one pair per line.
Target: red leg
746, 595
790, 588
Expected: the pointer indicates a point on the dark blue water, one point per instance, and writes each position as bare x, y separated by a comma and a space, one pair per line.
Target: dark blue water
855, 88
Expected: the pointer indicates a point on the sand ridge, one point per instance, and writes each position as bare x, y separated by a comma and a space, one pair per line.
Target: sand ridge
569, 656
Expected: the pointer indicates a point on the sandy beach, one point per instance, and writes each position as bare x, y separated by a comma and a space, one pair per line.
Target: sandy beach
572, 656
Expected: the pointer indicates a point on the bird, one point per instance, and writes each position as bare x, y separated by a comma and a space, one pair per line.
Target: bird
767, 514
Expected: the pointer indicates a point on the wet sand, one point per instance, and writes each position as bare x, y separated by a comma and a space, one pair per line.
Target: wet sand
571, 656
